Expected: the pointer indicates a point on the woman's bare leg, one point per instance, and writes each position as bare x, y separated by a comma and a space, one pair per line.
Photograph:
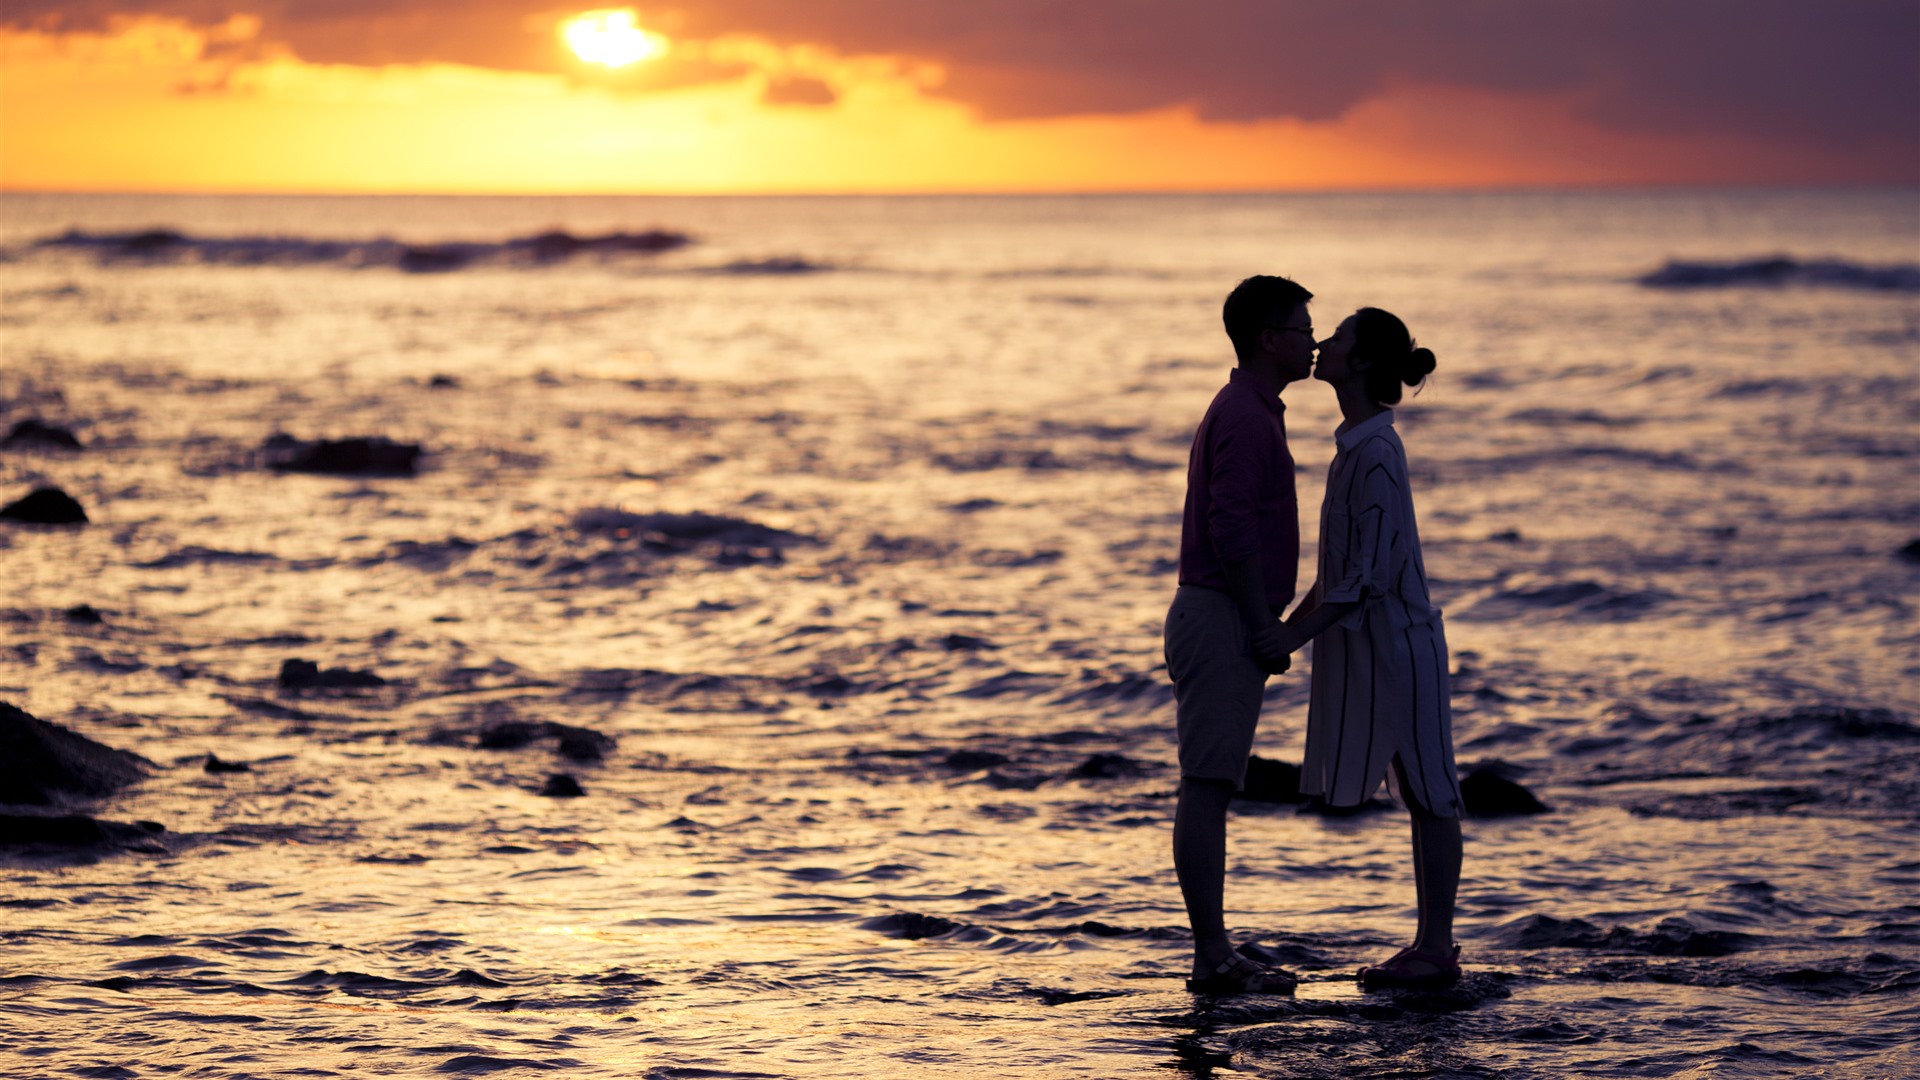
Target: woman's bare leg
1436, 871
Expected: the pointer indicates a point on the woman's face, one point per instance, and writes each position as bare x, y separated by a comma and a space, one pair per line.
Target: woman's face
1331, 366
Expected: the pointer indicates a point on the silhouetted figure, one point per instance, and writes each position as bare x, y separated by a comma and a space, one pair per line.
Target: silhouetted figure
1379, 706
1239, 554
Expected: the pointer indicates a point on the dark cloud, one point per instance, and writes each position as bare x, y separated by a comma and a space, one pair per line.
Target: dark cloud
1832, 69
1837, 72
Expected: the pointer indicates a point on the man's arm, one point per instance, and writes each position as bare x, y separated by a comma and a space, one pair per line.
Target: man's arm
1233, 529
1246, 583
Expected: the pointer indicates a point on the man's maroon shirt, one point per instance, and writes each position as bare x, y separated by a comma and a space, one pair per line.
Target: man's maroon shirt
1240, 497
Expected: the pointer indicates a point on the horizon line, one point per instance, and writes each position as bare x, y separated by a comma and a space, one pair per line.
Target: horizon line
1570, 187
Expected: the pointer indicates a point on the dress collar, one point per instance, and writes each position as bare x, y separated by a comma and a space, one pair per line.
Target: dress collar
1346, 438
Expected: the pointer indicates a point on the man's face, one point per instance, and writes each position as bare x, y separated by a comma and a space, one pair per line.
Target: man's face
1291, 342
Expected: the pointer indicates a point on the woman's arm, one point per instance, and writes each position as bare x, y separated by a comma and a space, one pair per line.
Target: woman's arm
1307, 603
1312, 617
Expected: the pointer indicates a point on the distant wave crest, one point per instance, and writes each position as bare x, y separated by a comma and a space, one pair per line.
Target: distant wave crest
553, 246
1779, 270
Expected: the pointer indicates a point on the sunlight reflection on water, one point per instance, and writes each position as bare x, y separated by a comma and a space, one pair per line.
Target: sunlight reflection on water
845, 830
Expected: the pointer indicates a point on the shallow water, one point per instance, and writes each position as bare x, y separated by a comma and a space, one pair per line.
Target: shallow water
855, 824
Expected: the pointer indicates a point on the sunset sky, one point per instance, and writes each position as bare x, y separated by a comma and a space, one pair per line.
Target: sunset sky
514, 96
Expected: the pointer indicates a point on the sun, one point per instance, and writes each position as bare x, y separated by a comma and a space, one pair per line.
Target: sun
611, 37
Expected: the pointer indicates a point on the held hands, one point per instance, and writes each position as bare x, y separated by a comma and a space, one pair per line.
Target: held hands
1274, 645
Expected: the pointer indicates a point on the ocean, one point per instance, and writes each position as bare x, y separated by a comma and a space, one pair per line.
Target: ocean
821, 546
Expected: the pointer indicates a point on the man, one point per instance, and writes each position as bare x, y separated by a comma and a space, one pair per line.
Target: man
1239, 555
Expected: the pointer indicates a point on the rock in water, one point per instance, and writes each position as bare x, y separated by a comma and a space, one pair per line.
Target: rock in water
578, 743
69, 830
38, 759
45, 506
1488, 794
302, 674
562, 786
1271, 781
372, 456
34, 433
74, 830
581, 744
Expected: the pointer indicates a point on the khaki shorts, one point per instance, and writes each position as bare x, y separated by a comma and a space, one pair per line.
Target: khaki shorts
1217, 685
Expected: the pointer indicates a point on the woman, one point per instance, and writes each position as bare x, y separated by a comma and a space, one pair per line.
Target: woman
1379, 696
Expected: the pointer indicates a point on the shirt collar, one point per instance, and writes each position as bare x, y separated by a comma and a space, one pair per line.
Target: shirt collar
1346, 438
1251, 383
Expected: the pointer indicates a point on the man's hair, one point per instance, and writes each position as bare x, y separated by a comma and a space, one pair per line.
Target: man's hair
1256, 304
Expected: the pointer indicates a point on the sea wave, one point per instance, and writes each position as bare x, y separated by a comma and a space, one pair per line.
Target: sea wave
1781, 270
162, 245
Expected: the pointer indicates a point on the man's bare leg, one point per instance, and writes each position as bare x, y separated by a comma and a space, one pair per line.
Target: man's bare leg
1200, 861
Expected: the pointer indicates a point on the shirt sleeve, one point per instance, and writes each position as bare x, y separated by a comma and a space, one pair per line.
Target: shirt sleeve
1375, 540
1233, 488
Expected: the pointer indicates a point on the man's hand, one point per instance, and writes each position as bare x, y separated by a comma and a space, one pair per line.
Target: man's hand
1273, 646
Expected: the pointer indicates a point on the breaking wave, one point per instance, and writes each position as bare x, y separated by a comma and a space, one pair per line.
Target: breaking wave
540, 249
1780, 270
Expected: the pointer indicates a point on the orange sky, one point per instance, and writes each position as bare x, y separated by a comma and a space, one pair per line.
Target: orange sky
158, 101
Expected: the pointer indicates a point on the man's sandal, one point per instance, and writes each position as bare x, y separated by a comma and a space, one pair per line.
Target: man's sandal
1238, 975
1411, 969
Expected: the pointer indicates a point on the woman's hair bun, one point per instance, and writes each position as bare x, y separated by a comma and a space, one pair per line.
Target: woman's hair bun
1420, 364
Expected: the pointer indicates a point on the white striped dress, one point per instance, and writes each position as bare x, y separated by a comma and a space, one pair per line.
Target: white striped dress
1379, 685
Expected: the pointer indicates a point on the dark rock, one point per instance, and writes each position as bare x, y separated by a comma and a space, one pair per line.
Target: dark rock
84, 613
215, 765
1506, 536
31, 433
75, 830
581, 744
1488, 794
38, 759
578, 743
1910, 553
1271, 781
304, 674
444, 382
69, 830
562, 786
45, 506
972, 760
1108, 767
507, 734
359, 456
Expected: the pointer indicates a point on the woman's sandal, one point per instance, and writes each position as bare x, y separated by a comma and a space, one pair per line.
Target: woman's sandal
1411, 969
1238, 975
